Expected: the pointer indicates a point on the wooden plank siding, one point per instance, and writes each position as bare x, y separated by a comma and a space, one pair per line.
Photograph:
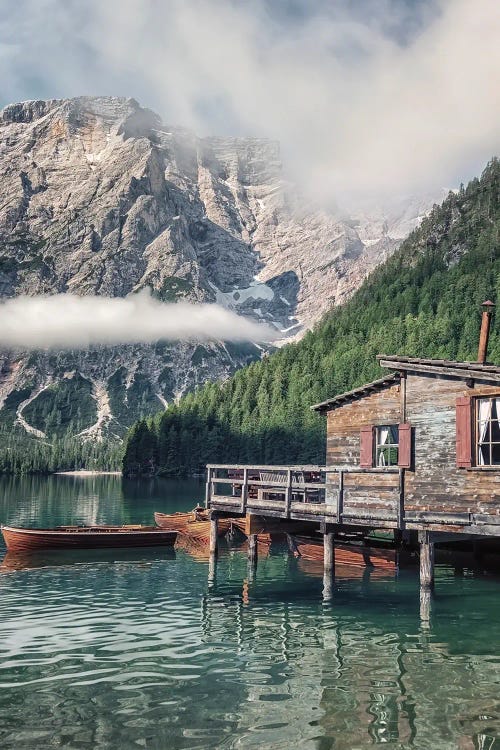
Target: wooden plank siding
344, 424
432, 489
436, 483
433, 484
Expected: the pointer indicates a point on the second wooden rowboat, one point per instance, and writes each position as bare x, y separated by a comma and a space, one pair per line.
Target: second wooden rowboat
349, 554
195, 523
20, 539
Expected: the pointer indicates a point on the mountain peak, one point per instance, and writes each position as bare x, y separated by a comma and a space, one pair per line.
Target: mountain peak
101, 198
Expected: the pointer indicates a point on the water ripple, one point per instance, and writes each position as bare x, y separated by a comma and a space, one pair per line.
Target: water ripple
148, 653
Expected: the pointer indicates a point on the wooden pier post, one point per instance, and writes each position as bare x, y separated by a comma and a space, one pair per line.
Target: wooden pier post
328, 553
214, 529
212, 570
328, 565
426, 560
208, 488
425, 607
252, 549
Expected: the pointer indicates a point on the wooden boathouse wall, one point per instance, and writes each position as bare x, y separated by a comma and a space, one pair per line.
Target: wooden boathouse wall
435, 488
366, 496
436, 484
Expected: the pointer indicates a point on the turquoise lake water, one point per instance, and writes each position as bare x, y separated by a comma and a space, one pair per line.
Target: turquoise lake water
144, 649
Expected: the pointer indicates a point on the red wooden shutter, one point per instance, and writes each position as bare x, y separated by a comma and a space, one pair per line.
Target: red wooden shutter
366, 447
464, 432
404, 453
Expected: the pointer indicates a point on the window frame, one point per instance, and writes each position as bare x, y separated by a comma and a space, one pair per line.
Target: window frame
476, 431
377, 445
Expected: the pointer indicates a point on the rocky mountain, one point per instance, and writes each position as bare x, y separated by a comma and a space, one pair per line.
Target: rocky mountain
99, 197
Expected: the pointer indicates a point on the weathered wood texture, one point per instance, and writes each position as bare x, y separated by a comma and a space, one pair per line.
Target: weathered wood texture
328, 552
366, 494
433, 483
426, 561
345, 424
214, 523
437, 484
252, 548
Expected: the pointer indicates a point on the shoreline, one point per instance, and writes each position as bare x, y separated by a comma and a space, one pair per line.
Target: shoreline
87, 473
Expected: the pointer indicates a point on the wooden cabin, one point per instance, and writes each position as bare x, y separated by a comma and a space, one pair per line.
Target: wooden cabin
426, 436
416, 450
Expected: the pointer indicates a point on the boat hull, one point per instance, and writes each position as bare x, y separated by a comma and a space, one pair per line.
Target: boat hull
195, 524
92, 537
345, 554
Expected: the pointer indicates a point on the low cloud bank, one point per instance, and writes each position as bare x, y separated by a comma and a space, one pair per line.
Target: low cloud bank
67, 321
369, 98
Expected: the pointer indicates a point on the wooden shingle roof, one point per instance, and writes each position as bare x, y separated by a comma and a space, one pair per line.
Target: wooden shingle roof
443, 367
363, 390
474, 370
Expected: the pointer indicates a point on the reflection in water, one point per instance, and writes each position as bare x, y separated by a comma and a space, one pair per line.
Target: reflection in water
51, 501
58, 558
127, 649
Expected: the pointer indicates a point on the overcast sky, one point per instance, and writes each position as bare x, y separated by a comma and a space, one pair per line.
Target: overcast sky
367, 97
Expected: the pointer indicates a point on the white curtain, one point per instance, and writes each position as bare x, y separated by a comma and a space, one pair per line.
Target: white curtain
383, 435
485, 405
383, 438
495, 432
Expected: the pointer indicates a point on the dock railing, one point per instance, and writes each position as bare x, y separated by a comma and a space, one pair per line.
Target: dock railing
308, 492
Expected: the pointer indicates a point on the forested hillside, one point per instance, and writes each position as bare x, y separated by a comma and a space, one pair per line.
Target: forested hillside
424, 301
22, 454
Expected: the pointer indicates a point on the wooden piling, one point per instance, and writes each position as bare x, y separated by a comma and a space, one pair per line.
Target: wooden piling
252, 548
328, 565
212, 569
425, 607
426, 560
214, 529
328, 553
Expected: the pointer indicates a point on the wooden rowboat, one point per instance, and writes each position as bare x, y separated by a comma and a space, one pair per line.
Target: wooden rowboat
360, 556
85, 537
195, 524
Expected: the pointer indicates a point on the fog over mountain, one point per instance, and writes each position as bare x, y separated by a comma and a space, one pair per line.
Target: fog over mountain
101, 200
369, 100
296, 144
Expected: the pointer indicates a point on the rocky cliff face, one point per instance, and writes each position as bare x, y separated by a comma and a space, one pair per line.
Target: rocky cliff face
99, 197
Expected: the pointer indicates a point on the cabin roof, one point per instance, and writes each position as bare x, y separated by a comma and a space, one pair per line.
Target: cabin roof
363, 390
443, 367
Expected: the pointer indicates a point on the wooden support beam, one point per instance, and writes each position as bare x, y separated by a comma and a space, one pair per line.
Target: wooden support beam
401, 496
214, 528
426, 560
402, 391
254, 524
329, 552
292, 546
268, 467
288, 495
340, 499
328, 580
252, 548
425, 607
328, 565
244, 491
212, 569
208, 488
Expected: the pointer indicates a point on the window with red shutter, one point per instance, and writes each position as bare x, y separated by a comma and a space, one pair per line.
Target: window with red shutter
464, 432
366, 447
404, 458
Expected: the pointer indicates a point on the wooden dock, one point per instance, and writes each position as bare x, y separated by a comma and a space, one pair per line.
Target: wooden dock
416, 452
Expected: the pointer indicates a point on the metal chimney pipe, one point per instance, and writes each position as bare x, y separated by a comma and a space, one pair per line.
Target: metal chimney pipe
485, 331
